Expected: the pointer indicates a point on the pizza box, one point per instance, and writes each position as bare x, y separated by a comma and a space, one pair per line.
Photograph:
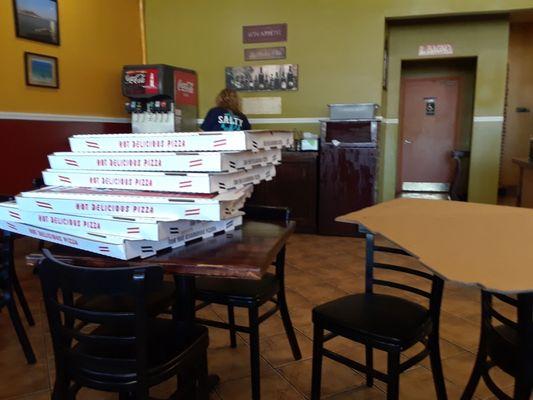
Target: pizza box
182, 141
135, 203
194, 182
91, 226
113, 246
211, 161
118, 246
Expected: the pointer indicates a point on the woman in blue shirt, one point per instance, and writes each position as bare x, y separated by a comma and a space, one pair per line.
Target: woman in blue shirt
227, 115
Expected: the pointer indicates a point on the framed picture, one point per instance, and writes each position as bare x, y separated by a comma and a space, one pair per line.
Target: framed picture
260, 78
41, 70
37, 20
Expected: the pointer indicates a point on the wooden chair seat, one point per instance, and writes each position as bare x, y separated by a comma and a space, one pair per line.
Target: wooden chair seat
225, 290
158, 302
169, 343
377, 317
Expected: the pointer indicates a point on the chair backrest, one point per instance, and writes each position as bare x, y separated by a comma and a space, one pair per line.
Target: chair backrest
267, 213
270, 213
519, 326
62, 283
435, 283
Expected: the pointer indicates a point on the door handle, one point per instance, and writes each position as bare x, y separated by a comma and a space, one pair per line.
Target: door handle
407, 141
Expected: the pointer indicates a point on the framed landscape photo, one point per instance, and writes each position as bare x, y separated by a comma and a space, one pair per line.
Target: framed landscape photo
41, 70
37, 20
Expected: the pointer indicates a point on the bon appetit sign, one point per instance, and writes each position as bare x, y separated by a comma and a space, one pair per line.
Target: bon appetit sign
264, 33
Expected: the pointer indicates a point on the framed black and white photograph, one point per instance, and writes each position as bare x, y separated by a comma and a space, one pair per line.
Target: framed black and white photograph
37, 20
259, 78
41, 70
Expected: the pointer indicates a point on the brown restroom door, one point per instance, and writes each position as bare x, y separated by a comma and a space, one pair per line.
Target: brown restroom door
428, 130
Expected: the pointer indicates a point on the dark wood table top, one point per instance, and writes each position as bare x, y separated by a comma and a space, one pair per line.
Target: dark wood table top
246, 252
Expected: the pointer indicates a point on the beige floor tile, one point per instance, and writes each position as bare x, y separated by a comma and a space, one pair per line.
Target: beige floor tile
319, 292
277, 351
417, 384
19, 378
273, 387
231, 363
361, 393
336, 378
447, 350
459, 331
42, 395
458, 368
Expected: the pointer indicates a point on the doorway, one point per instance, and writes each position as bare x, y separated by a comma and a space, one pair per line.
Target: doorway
436, 115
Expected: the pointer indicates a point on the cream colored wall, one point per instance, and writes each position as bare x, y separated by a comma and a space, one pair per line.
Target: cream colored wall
519, 126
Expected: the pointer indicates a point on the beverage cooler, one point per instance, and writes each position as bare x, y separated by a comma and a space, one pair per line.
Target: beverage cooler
348, 171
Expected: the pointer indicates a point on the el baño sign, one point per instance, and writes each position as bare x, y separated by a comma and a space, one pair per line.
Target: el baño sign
443, 49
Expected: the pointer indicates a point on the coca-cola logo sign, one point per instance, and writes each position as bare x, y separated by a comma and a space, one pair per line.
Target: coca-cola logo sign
185, 86
135, 78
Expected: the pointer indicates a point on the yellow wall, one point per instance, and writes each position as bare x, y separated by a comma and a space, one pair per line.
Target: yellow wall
97, 38
519, 126
488, 42
337, 44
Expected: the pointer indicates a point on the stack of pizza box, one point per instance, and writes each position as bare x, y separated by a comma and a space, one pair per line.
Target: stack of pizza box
132, 195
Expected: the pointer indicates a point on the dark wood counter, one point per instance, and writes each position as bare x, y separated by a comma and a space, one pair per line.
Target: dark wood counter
295, 186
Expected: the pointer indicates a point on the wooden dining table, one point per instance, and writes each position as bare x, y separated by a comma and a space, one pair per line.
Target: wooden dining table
244, 253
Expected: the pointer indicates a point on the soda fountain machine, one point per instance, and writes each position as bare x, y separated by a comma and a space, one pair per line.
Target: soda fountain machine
162, 98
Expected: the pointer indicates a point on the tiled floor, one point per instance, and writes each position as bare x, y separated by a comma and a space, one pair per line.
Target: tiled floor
318, 269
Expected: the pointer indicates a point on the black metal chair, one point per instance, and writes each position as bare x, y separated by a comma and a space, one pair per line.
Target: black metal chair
9, 287
251, 294
125, 351
382, 321
507, 345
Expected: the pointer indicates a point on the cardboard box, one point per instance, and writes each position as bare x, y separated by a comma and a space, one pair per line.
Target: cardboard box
194, 182
182, 141
115, 246
92, 227
112, 246
207, 161
129, 203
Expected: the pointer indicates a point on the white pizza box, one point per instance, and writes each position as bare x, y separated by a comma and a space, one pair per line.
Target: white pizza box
113, 246
182, 141
87, 227
131, 203
118, 246
194, 182
205, 230
211, 161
